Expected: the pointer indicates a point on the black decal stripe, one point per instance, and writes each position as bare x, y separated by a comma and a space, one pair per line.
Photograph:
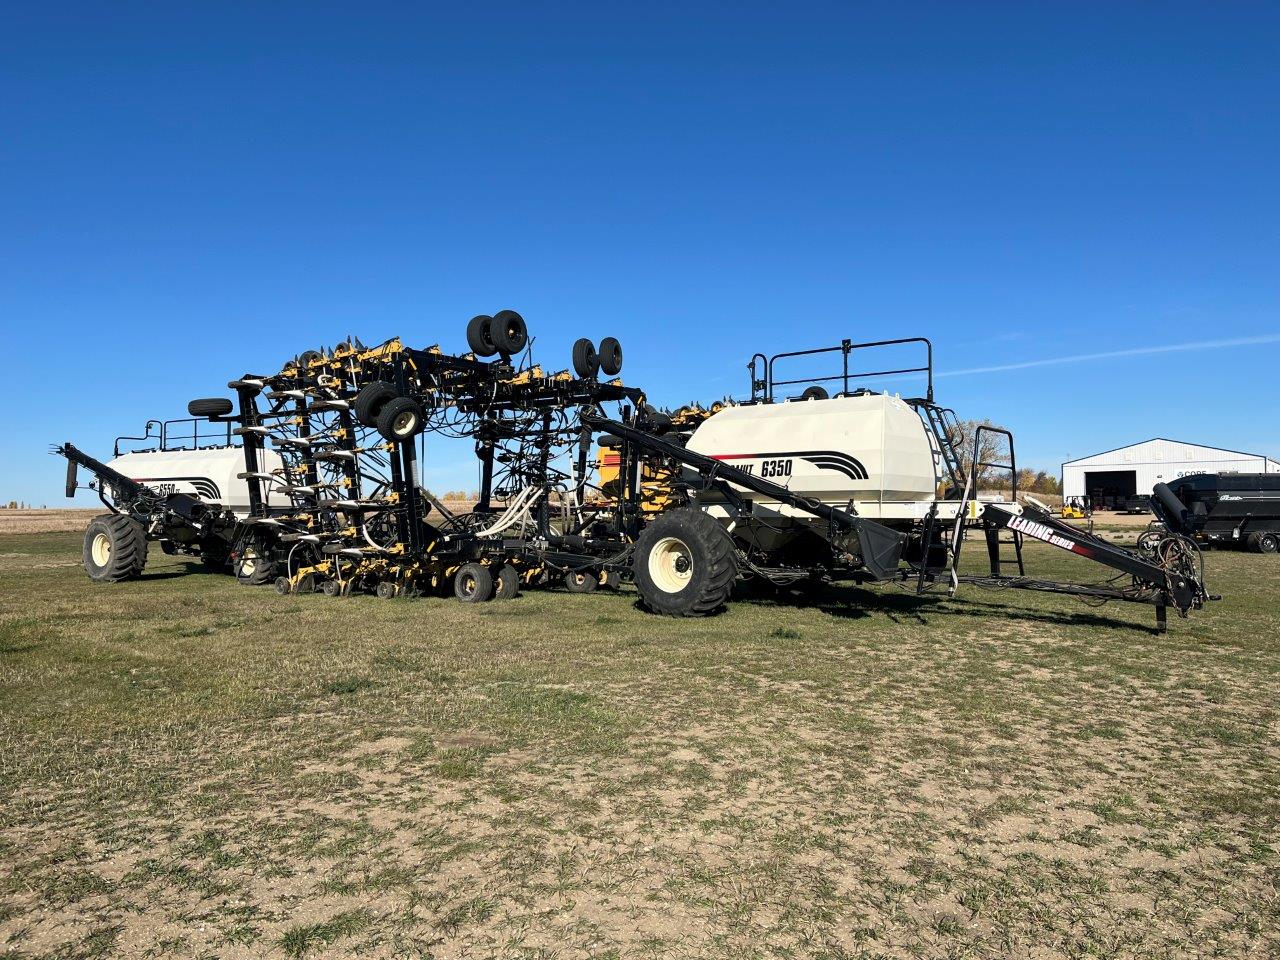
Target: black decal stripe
205, 487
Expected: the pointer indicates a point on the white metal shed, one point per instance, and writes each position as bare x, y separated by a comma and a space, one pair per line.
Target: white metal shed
1135, 469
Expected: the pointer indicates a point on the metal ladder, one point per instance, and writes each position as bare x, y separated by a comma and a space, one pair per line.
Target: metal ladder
945, 427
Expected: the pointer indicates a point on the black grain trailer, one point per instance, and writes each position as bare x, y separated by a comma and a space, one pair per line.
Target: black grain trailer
1239, 510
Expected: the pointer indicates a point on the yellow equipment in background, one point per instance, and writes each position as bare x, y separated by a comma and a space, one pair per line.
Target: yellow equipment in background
1076, 508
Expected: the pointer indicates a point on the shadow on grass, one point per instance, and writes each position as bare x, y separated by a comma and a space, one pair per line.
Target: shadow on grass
856, 603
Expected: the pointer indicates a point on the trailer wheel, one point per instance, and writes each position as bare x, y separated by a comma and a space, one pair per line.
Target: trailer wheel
253, 568
115, 548
507, 585
611, 356
1268, 542
815, 393
400, 419
370, 401
473, 583
480, 336
508, 332
611, 580
586, 362
581, 581
684, 564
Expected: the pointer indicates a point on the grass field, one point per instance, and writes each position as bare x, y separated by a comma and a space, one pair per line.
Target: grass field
190, 768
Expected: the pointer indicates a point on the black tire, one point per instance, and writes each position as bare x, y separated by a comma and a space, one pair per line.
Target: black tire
581, 581
480, 336
210, 407
473, 583
586, 362
387, 590
115, 548
1268, 541
401, 419
508, 332
507, 584
612, 580
283, 586
815, 393
684, 564
610, 356
253, 567
370, 401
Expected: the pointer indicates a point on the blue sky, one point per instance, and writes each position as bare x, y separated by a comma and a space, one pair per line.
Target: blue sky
190, 193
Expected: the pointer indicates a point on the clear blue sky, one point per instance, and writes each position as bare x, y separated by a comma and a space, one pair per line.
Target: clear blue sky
192, 192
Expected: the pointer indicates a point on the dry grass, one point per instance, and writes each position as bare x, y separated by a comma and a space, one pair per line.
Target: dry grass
45, 521
191, 768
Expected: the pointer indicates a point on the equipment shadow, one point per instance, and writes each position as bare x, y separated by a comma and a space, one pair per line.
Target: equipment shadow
855, 603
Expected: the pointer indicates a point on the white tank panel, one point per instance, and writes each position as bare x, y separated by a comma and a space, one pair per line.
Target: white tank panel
209, 474
870, 449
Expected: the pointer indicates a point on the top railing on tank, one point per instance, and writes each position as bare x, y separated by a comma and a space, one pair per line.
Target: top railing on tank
180, 434
763, 387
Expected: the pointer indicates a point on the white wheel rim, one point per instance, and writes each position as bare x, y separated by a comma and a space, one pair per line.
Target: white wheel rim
405, 423
100, 549
248, 562
670, 565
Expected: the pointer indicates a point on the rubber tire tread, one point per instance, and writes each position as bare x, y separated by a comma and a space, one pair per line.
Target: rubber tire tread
264, 573
484, 583
506, 585
392, 409
508, 332
586, 362
610, 353
128, 548
479, 337
210, 407
715, 566
587, 584
370, 401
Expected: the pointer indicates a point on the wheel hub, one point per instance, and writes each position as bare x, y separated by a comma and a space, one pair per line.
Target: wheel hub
671, 564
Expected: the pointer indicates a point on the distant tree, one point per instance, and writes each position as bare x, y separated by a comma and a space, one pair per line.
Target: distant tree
995, 449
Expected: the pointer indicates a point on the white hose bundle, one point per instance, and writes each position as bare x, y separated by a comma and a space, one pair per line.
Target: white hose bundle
516, 511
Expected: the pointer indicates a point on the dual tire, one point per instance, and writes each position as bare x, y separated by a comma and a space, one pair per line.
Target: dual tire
505, 333
588, 361
379, 405
115, 548
685, 564
1264, 541
476, 583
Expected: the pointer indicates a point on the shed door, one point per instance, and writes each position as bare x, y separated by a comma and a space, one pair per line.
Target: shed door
1109, 488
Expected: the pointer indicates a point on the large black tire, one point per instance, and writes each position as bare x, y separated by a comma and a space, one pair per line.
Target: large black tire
684, 564
480, 336
209, 407
1268, 541
586, 362
610, 356
401, 419
507, 584
473, 583
115, 548
508, 332
370, 401
581, 581
253, 567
